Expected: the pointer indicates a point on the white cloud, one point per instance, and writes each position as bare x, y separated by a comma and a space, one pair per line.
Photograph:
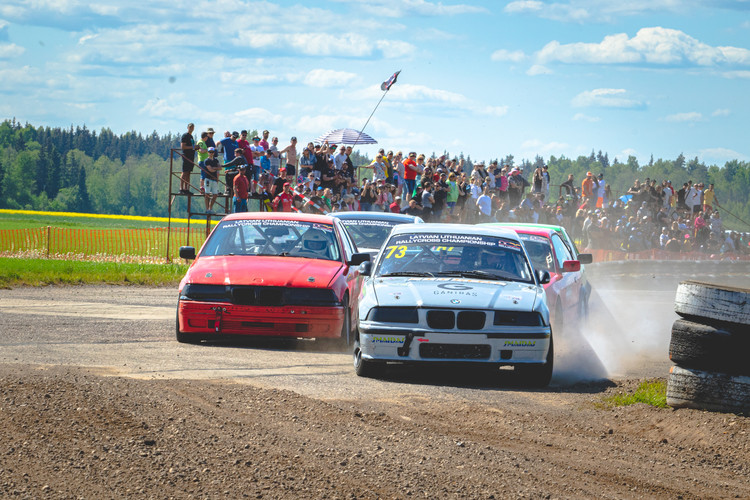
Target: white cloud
692, 116
555, 11
605, 98
580, 117
401, 8
8, 50
653, 46
105, 10
328, 78
538, 69
258, 115
737, 74
323, 44
496, 111
508, 55
721, 112
721, 154
533, 147
579, 11
248, 78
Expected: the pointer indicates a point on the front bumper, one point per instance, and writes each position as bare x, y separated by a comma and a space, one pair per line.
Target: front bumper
510, 346
223, 318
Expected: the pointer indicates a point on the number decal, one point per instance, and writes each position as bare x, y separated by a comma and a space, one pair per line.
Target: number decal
399, 255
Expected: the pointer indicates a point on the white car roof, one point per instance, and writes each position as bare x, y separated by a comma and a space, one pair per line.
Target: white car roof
467, 229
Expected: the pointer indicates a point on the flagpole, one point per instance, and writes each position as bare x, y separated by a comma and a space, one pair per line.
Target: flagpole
373, 111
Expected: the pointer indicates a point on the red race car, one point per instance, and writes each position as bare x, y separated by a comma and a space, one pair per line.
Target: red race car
565, 295
273, 275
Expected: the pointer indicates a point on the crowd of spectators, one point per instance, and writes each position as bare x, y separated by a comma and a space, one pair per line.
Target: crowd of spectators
322, 178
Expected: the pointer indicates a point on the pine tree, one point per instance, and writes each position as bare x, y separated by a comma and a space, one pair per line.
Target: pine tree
83, 202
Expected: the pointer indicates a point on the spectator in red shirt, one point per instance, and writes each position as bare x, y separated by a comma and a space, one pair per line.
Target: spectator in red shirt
395, 207
284, 201
241, 186
410, 174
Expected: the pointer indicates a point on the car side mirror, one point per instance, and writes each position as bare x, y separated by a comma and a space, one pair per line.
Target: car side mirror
571, 266
365, 269
543, 277
359, 258
187, 253
585, 258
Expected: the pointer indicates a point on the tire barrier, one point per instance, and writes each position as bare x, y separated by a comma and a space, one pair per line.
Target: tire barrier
702, 390
710, 347
704, 300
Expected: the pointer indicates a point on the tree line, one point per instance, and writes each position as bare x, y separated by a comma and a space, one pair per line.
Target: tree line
76, 169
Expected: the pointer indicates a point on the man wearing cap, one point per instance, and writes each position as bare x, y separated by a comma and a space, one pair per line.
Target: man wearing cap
587, 187
274, 157
202, 156
284, 201
241, 187
232, 169
188, 146
601, 198
228, 144
210, 170
258, 153
278, 182
410, 174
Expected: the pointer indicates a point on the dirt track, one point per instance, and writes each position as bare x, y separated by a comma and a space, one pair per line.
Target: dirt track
99, 402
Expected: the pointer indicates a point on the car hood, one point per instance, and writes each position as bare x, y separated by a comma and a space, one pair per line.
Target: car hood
456, 293
264, 271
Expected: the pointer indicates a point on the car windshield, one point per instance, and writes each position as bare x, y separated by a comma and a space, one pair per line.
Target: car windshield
368, 233
469, 256
540, 251
288, 238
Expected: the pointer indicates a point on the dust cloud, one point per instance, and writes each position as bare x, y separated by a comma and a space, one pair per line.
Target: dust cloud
630, 321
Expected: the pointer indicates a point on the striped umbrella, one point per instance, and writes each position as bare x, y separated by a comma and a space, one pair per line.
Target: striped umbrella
346, 136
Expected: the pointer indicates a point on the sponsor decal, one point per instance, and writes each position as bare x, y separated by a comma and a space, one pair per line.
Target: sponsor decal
455, 301
534, 237
449, 240
368, 222
387, 340
422, 339
520, 343
454, 286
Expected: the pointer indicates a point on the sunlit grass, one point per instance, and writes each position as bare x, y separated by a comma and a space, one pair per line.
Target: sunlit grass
40, 272
651, 392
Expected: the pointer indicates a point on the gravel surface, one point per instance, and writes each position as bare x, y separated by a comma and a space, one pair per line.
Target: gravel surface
97, 400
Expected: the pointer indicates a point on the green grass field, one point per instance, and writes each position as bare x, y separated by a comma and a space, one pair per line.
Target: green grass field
651, 392
40, 272
43, 219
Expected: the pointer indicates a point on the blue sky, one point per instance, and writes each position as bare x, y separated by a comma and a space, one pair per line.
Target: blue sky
526, 77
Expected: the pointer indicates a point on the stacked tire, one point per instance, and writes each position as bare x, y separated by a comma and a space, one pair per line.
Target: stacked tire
710, 348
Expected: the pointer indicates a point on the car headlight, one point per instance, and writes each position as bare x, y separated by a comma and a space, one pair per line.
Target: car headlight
213, 293
515, 318
324, 297
393, 315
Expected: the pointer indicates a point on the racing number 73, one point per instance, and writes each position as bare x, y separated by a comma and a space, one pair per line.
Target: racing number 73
400, 254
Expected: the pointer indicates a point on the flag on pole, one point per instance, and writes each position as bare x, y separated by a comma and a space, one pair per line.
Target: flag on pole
389, 83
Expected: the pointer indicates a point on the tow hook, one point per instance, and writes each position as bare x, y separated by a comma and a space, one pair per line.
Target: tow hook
404, 349
220, 311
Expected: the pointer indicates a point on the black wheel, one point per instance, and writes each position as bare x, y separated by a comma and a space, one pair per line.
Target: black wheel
707, 347
536, 375
365, 368
182, 337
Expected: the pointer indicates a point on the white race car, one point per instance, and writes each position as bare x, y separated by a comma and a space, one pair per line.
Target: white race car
454, 293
